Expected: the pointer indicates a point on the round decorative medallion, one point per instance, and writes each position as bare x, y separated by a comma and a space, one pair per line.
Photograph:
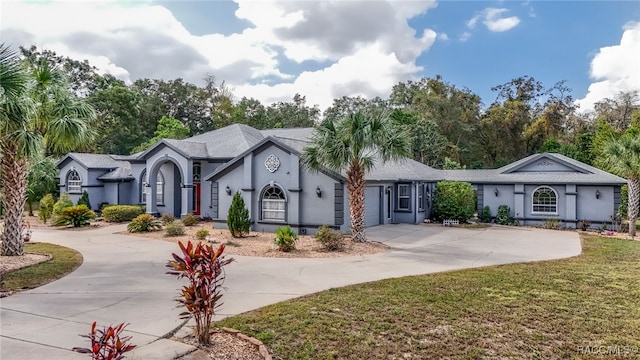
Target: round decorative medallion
272, 163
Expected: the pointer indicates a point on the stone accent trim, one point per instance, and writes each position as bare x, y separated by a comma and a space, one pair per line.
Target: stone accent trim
262, 349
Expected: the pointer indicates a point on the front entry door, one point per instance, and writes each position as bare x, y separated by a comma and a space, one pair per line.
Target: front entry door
196, 199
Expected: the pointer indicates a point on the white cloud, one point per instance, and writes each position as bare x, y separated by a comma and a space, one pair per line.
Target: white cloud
443, 37
464, 36
365, 52
615, 68
496, 23
493, 19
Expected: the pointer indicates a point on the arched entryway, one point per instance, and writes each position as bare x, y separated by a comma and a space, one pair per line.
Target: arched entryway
165, 194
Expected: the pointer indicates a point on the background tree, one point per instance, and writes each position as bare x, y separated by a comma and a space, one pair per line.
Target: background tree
168, 128
622, 156
39, 111
41, 179
354, 144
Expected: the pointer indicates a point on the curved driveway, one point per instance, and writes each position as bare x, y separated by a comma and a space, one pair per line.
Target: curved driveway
123, 279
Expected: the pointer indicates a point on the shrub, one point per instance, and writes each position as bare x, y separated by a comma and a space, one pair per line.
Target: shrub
330, 239
552, 223
238, 220
189, 220
107, 343
167, 219
46, 208
584, 225
84, 199
454, 200
202, 234
62, 203
503, 216
285, 239
144, 222
174, 229
77, 216
485, 216
202, 267
121, 213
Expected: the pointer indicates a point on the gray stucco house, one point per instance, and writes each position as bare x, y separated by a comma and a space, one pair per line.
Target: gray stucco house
200, 174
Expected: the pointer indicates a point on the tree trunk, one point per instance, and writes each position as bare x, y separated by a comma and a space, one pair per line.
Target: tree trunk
356, 188
634, 203
15, 171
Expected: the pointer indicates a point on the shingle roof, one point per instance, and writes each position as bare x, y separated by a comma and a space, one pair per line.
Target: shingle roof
582, 174
228, 141
121, 173
93, 161
406, 169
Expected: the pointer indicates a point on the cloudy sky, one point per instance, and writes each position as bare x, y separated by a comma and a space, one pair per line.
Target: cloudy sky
271, 50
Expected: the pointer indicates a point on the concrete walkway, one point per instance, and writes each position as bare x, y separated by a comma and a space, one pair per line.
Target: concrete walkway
123, 279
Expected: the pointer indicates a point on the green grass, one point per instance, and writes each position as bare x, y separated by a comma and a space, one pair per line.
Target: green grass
64, 260
533, 310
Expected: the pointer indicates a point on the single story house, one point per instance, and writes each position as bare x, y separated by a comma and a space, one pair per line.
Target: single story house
200, 174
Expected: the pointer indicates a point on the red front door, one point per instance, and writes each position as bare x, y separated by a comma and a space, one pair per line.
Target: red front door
196, 199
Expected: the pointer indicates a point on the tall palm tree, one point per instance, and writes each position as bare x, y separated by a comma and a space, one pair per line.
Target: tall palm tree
354, 144
623, 158
38, 112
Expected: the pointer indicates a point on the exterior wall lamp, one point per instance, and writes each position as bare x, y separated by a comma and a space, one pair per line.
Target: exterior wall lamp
318, 191
495, 191
228, 190
597, 194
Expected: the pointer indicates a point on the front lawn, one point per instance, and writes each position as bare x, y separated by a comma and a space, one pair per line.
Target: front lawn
554, 309
63, 261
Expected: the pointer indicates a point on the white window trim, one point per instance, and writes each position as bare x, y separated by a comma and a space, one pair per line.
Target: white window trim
160, 188
264, 201
408, 197
76, 188
534, 212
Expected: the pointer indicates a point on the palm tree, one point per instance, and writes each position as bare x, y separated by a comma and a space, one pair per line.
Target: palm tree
354, 144
623, 158
38, 113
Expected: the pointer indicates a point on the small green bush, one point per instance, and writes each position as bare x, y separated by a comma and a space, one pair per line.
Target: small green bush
144, 223
454, 200
84, 199
285, 239
330, 239
167, 218
238, 220
485, 216
189, 220
46, 208
503, 216
77, 216
552, 223
174, 229
121, 213
202, 234
62, 203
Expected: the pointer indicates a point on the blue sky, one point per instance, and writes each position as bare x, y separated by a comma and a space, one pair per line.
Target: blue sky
328, 49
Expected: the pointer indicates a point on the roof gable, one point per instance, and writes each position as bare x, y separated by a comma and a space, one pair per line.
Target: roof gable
545, 163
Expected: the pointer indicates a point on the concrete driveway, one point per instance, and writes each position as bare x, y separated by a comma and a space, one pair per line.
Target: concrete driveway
122, 280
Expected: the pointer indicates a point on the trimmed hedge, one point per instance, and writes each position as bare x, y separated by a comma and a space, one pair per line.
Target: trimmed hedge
454, 200
121, 213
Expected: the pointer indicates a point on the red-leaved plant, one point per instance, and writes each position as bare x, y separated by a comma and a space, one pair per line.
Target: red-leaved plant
107, 344
202, 266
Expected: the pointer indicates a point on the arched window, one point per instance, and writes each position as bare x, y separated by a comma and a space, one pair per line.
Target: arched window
273, 204
545, 200
159, 188
74, 183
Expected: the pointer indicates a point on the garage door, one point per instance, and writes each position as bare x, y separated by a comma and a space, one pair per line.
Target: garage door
372, 206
